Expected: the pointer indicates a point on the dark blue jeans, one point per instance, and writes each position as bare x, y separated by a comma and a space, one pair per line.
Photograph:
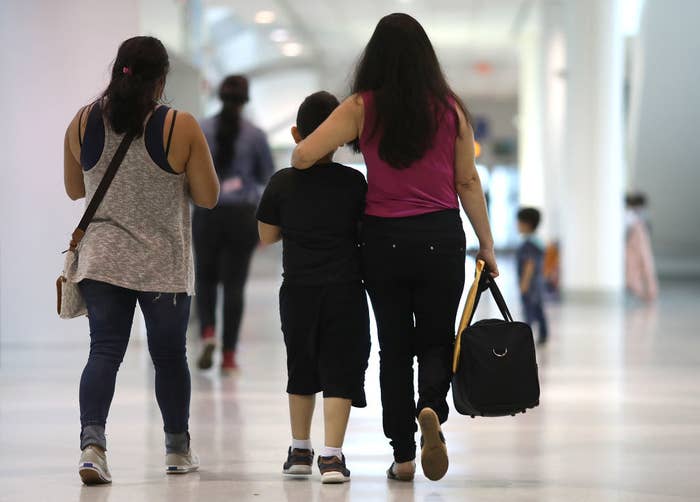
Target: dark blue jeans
534, 314
111, 313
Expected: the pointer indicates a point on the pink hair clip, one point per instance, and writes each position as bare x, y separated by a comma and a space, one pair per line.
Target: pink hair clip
126, 70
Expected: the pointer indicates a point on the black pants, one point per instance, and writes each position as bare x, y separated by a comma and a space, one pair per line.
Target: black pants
414, 274
224, 240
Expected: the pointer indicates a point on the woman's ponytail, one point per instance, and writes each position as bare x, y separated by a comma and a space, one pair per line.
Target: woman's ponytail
233, 93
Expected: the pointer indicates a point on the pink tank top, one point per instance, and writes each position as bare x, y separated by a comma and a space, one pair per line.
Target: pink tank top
426, 186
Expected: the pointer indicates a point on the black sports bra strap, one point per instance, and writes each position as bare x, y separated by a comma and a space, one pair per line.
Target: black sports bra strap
170, 134
80, 125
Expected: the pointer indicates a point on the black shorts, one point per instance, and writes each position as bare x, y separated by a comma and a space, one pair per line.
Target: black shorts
326, 331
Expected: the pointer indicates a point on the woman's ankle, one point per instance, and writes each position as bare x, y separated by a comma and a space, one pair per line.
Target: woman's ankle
178, 442
405, 467
93, 435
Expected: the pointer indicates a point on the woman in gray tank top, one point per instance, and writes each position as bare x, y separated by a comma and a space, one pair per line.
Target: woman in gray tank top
138, 246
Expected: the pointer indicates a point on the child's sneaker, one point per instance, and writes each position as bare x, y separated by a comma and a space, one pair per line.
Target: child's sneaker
181, 463
92, 467
298, 462
333, 469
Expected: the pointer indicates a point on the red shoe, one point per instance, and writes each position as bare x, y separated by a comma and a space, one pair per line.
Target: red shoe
228, 365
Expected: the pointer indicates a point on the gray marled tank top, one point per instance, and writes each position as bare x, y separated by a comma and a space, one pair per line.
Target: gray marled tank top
141, 236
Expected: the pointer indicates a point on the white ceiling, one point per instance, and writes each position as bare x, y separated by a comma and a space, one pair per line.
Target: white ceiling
333, 33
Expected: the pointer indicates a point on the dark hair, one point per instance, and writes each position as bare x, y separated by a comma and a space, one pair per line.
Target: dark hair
314, 110
635, 200
233, 93
530, 216
411, 94
140, 68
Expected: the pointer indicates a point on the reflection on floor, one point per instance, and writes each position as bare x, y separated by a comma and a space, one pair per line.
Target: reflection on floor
619, 420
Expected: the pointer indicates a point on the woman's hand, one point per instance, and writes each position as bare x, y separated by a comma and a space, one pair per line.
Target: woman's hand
489, 256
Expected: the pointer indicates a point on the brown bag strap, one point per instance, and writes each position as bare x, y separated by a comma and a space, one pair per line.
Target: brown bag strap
467, 313
111, 171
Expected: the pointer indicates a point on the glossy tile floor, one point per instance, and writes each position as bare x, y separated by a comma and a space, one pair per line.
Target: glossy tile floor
619, 419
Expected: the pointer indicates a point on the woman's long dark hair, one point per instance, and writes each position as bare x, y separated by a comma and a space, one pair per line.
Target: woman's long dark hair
411, 94
139, 70
234, 94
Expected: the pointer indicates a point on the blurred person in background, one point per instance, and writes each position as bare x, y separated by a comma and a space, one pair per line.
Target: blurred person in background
530, 263
418, 144
138, 246
640, 270
226, 236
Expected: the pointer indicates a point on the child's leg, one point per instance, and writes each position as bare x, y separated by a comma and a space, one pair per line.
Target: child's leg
542, 322
300, 456
336, 412
343, 352
301, 412
299, 313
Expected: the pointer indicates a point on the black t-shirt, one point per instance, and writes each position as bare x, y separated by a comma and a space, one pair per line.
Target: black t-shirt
318, 210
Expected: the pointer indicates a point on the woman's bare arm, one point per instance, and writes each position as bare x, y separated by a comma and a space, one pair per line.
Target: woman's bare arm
201, 175
342, 126
471, 195
72, 171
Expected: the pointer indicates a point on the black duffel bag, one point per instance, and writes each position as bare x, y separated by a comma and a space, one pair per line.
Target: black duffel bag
494, 365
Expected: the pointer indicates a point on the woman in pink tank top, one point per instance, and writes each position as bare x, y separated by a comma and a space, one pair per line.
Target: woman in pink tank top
414, 134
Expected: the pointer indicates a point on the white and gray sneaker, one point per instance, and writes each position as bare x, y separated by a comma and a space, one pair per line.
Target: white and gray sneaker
92, 467
181, 463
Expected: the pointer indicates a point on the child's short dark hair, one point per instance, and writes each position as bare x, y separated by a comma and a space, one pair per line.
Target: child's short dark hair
314, 110
635, 200
530, 216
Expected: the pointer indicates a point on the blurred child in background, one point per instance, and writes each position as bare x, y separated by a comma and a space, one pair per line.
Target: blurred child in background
530, 261
640, 271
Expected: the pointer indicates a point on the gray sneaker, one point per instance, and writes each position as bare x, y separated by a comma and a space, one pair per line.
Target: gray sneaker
181, 463
92, 467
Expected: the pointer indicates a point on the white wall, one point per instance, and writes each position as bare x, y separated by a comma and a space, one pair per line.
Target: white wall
55, 58
664, 146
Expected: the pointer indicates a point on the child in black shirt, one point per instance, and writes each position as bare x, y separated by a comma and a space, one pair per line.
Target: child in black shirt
323, 307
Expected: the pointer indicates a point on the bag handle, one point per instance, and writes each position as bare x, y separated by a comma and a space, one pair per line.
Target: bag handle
490, 283
91, 209
482, 282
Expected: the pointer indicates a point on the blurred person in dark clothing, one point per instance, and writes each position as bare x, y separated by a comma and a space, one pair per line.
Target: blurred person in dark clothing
226, 236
